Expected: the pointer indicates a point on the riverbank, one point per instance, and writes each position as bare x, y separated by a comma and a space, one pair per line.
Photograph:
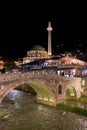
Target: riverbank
72, 109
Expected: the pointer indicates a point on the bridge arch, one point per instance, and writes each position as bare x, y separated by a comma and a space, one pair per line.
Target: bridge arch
44, 93
70, 93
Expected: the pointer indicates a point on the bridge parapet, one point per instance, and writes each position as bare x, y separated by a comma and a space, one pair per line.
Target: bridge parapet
12, 76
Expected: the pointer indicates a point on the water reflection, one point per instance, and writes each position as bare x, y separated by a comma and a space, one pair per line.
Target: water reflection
14, 93
27, 114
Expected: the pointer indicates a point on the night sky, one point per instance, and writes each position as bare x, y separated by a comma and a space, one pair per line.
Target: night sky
28, 28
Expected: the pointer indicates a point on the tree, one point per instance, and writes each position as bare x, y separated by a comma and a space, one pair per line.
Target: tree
10, 65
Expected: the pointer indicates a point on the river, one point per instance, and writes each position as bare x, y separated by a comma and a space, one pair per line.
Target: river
27, 114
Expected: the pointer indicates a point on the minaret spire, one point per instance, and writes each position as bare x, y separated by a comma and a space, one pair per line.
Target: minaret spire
49, 29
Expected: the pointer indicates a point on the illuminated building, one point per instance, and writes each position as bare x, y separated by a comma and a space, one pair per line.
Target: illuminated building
37, 52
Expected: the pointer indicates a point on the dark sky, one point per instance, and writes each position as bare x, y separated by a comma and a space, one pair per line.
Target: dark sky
28, 28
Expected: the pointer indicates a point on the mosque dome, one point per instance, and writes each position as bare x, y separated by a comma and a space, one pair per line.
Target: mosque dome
37, 52
38, 48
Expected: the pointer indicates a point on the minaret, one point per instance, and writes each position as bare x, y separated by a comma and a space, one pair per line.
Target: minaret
49, 29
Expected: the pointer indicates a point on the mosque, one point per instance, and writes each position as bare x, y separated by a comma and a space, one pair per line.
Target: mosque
38, 52
65, 64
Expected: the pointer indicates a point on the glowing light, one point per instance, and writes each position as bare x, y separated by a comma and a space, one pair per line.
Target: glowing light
72, 94
45, 99
51, 100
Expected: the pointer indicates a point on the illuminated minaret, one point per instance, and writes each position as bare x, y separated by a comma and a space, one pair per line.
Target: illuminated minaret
49, 29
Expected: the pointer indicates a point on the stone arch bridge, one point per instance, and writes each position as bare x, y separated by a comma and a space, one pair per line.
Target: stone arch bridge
50, 90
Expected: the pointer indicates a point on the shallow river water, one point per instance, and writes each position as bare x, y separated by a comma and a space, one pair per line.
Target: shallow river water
27, 114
